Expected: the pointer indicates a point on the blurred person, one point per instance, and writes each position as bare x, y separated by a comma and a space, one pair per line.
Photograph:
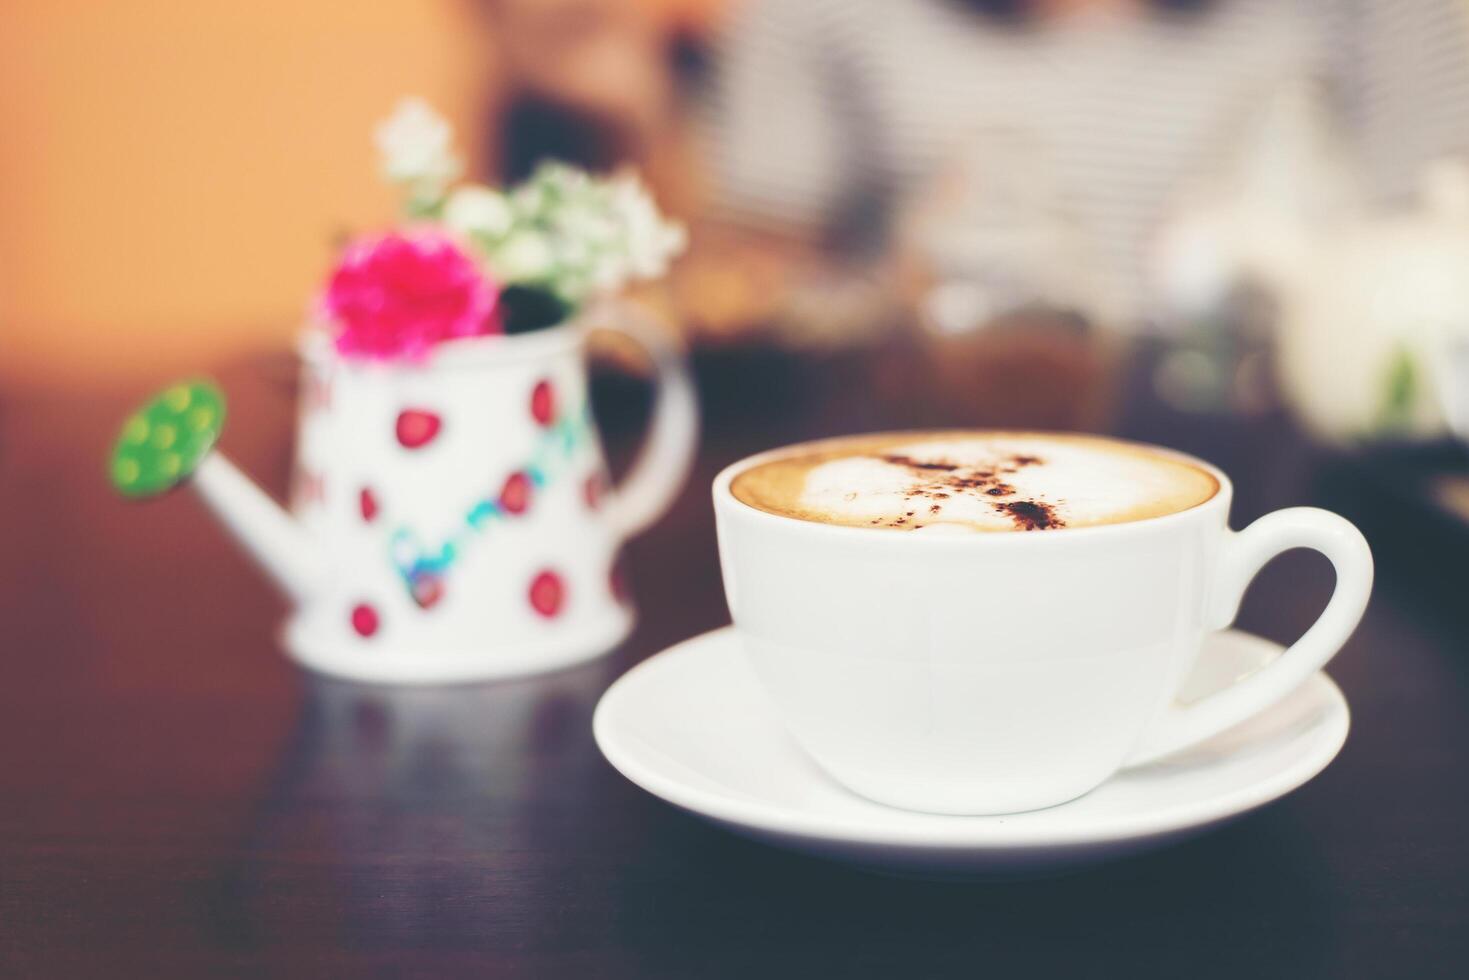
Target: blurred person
604, 85
598, 83
1070, 124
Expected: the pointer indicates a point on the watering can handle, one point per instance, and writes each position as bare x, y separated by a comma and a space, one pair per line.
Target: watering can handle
663, 463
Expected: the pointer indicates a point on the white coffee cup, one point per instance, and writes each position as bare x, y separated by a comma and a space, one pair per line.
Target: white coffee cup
998, 672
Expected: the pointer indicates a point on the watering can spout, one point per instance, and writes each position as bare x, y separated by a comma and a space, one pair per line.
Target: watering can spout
260, 525
171, 439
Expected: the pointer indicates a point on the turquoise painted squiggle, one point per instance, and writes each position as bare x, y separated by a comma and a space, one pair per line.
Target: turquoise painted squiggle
424, 569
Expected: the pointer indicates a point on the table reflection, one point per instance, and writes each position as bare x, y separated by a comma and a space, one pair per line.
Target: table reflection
422, 807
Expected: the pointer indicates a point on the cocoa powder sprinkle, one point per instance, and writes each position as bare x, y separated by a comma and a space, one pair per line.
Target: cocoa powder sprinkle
943, 478
1031, 515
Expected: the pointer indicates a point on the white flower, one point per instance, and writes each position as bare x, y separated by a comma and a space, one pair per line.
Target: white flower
478, 210
568, 231
585, 231
608, 271
416, 145
649, 242
525, 256
573, 252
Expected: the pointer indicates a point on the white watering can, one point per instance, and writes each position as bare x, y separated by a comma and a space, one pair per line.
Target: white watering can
453, 519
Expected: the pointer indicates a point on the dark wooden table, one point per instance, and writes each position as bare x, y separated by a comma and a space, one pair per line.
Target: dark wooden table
176, 799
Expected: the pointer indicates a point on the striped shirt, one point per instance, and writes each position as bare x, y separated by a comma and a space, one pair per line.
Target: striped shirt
823, 107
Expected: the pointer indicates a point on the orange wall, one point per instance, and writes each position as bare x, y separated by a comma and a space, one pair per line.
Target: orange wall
172, 172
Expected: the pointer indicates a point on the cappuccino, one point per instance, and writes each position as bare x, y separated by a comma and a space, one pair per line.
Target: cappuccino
964, 481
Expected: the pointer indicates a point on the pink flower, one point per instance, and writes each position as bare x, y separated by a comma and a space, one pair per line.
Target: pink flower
398, 295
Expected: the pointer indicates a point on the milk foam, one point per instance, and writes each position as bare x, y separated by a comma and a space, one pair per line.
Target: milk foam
963, 482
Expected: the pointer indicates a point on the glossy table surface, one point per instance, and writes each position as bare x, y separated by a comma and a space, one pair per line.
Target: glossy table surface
177, 798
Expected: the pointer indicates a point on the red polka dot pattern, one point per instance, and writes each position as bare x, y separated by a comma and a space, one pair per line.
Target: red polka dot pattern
367, 501
428, 591
417, 428
543, 402
515, 494
310, 488
617, 581
547, 593
364, 619
593, 489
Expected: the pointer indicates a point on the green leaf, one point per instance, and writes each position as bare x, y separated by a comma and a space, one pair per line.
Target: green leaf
1400, 386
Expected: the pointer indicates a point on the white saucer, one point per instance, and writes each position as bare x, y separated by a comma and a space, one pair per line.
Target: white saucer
692, 726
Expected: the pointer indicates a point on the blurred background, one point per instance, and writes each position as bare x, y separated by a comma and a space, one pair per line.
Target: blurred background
1093, 214
1190, 221
1237, 227
175, 175
1007, 194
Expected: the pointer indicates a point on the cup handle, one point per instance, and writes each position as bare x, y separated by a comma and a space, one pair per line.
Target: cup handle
663, 463
1243, 555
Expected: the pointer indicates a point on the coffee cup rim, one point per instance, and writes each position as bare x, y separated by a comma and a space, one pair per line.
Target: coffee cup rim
727, 503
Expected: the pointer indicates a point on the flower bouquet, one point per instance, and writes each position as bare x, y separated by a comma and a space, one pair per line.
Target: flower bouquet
453, 518
473, 260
